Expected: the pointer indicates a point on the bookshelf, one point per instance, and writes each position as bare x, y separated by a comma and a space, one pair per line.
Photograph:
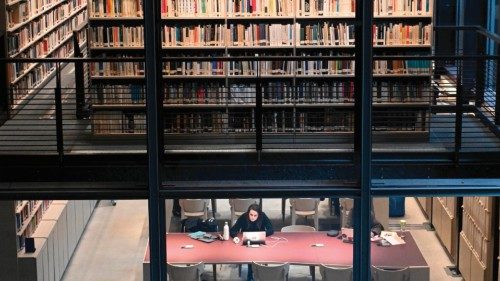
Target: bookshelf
313, 96
41, 29
56, 227
476, 239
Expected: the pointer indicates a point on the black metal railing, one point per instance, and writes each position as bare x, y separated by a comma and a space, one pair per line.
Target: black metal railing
430, 103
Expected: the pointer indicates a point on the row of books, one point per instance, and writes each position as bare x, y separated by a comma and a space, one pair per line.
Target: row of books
237, 121
324, 34
46, 19
263, 8
266, 68
29, 9
326, 7
56, 44
33, 32
28, 216
402, 7
402, 67
325, 67
315, 34
259, 7
402, 34
272, 93
116, 8
34, 74
117, 122
260, 34
399, 121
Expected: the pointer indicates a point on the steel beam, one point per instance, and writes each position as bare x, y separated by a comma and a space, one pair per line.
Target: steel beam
154, 117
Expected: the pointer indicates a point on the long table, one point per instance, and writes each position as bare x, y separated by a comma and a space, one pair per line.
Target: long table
294, 248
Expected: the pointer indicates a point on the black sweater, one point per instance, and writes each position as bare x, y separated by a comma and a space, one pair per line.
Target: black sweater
244, 224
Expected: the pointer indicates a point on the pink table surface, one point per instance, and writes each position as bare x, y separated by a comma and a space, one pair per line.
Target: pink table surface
294, 248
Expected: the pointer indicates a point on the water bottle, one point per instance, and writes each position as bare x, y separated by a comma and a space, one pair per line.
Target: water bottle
226, 231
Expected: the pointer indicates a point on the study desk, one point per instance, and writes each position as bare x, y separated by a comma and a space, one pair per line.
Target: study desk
294, 248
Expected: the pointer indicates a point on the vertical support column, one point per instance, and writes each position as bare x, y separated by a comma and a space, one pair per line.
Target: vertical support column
480, 70
8, 258
154, 117
258, 114
362, 138
59, 122
258, 117
458, 116
4, 88
497, 92
79, 80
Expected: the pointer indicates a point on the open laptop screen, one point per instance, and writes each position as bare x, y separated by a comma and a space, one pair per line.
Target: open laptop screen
254, 237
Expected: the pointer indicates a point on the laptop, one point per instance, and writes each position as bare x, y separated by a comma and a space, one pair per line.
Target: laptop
254, 237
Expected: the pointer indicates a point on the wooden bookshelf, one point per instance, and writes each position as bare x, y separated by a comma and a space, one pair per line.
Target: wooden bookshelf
42, 32
258, 28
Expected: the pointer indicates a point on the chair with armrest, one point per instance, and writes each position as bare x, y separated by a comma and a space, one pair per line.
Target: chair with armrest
240, 206
334, 272
185, 272
194, 208
270, 272
390, 274
305, 207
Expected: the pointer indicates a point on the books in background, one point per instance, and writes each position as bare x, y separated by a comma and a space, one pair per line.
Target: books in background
386, 91
402, 7
192, 8
194, 35
198, 122
401, 67
402, 34
260, 34
28, 215
117, 36
118, 122
103, 69
269, 8
115, 8
195, 93
324, 34
118, 94
324, 66
325, 92
326, 7
194, 68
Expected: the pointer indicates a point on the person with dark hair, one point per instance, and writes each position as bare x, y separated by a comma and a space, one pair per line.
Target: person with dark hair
252, 220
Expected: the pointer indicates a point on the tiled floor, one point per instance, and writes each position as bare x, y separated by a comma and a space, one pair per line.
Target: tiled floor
113, 245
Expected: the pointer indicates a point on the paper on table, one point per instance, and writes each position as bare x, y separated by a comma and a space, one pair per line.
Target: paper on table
392, 237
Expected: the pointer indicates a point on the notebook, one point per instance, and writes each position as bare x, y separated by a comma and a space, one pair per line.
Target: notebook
254, 237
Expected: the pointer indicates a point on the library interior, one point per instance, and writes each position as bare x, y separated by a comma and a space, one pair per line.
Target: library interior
249, 140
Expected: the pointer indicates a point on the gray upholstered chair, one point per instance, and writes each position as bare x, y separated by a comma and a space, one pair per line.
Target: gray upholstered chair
334, 273
305, 207
390, 274
185, 272
194, 208
270, 272
240, 206
297, 228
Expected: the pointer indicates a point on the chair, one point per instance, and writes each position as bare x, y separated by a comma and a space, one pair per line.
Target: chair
297, 228
239, 206
305, 207
390, 274
194, 208
185, 272
346, 206
302, 228
270, 272
334, 273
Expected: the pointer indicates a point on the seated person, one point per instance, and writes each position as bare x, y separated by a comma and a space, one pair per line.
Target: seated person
252, 220
375, 226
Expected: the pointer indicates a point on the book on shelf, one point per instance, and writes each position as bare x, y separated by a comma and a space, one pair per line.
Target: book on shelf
260, 34
326, 7
270, 8
115, 8
28, 215
324, 34
402, 7
402, 34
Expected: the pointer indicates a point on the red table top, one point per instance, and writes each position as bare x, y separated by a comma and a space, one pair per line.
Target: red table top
291, 247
